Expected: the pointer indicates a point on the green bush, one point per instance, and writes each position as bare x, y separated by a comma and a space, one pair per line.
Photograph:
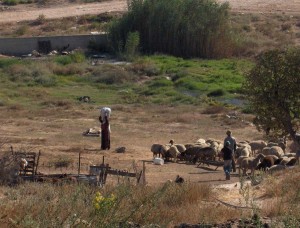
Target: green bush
63, 60
188, 28
216, 93
76, 57
10, 2
6, 62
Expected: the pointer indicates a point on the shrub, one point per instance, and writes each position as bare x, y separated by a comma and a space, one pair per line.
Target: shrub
22, 30
76, 57
10, 2
40, 20
182, 28
132, 45
216, 93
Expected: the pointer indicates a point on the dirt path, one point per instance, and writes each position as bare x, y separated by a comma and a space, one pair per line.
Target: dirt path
23, 12
31, 13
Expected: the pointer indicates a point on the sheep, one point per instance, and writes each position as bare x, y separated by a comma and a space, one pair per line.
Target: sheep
249, 163
199, 153
23, 165
266, 162
189, 145
201, 141
292, 162
239, 160
242, 151
288, 161
158, 149
289, 155
257, 145
274, 150
270, 144
172, 152
275, 168
181, 148
281, 142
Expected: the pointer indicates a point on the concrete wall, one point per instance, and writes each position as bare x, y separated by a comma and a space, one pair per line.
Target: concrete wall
24, 46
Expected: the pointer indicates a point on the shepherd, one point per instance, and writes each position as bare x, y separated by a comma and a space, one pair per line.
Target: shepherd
104, 119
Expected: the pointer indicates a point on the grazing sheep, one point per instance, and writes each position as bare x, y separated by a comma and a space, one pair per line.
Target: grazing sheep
158, 149
274, 150
288, 160
266, 163
289, 155
189, 145
242, 151
172, 152
275, 168
199, 153
257, 145
292, 162
239, 160
250, 163
281, 142
201, 141
181, 148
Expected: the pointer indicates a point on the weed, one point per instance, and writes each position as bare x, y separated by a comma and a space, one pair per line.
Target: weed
22, 30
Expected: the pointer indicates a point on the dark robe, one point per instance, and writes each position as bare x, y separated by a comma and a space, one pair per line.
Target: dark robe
105, 134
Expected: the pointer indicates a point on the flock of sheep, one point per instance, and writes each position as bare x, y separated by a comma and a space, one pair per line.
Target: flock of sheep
254, 155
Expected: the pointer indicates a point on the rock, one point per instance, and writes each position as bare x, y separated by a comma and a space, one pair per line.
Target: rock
121, 149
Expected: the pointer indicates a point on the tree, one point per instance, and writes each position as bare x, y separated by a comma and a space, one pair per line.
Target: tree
273, 89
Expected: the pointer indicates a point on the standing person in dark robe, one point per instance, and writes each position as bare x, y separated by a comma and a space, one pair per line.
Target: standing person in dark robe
232, 146
227, 157
105, 133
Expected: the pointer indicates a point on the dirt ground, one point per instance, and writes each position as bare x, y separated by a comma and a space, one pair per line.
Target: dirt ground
57, 133
31, 12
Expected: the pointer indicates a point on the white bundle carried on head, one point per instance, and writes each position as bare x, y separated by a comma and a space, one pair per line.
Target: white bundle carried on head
105, 111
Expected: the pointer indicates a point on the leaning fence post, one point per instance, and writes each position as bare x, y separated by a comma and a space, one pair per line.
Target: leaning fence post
144, 173
79, 163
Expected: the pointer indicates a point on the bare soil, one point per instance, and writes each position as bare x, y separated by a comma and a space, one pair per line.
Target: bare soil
60, 10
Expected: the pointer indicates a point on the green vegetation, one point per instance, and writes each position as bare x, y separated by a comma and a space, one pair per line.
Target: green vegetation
186, 28
273, 90
150, 79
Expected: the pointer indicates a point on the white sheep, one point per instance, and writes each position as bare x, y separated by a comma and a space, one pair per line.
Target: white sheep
276, 150
249, 163
181, 148
243, 151
257, 145
23, 165
173, 152
201, 141
158, 149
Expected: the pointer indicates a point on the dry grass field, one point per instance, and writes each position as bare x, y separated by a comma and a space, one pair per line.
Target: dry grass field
57, 130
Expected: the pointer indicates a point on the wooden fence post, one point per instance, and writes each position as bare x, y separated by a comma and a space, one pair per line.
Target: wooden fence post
79, 163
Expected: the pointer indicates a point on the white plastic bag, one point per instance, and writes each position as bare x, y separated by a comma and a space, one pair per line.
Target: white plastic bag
158, 161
